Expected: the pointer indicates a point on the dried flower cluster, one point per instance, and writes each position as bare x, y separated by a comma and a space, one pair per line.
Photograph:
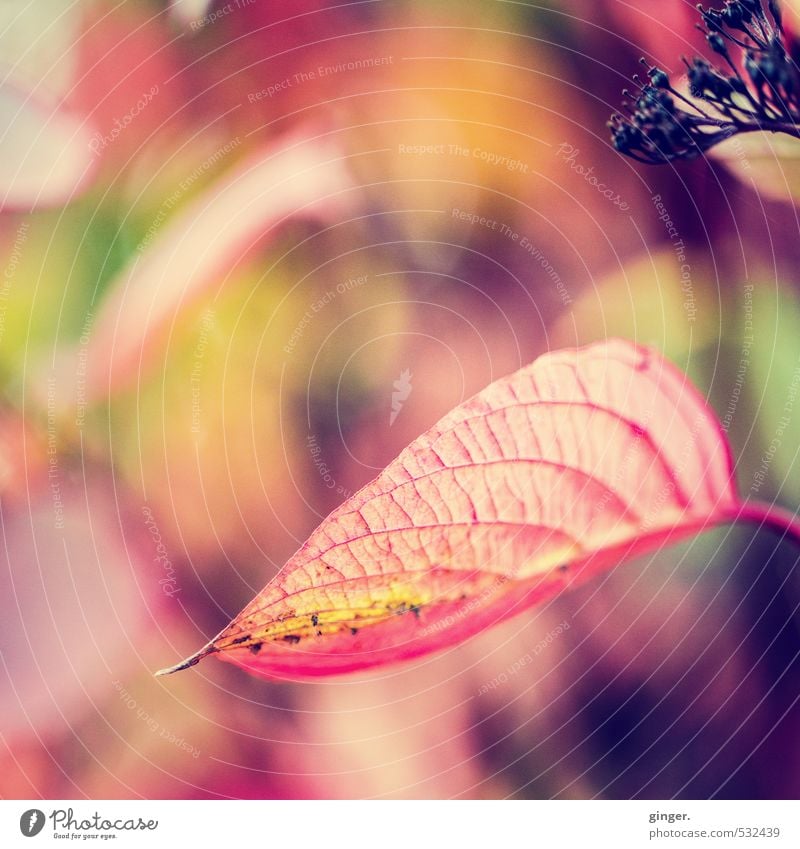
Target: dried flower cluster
755, 87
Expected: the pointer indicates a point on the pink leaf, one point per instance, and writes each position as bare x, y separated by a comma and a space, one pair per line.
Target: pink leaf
548, 476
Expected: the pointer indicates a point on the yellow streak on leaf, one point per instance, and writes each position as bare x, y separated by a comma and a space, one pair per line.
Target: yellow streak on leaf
367, 608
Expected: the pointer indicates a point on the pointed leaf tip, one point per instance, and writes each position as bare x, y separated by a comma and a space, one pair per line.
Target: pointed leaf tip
185, 664
192, 660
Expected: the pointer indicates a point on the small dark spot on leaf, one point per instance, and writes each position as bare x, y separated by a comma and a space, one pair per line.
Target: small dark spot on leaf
354, 631
291, 638
415, 610
243, 639
562, 567
255, 648
314, 619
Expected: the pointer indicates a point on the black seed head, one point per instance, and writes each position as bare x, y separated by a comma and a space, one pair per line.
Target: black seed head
663, 125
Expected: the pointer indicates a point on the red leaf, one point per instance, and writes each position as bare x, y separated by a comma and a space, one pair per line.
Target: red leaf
565, 468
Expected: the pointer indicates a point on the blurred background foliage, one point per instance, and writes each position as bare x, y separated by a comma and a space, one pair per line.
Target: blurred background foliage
227, 229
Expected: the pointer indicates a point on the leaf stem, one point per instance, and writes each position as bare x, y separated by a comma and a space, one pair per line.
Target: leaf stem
783, 521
